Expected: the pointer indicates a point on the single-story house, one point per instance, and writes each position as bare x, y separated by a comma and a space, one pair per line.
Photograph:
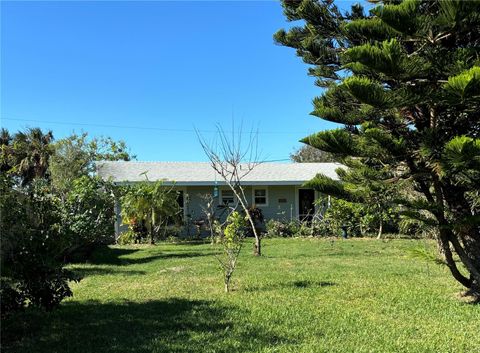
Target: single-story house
275, 188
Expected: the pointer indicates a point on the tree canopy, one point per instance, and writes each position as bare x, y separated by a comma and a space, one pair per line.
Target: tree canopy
309, 154
404, 80
75, 156
53, 209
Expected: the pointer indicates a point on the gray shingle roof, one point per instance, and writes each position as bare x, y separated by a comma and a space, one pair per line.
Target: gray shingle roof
201, 173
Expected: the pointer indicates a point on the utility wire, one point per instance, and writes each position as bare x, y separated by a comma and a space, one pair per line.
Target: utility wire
146, 127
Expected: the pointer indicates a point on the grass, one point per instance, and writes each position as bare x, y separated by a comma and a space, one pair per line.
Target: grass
303, 295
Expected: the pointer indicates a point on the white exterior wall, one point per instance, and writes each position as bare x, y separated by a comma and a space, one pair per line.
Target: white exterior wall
275, 209
275, 194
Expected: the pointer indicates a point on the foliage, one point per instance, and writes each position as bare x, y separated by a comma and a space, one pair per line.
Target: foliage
88, 213
404, 82
75, 156
49, 214
256, 215
26, 154
357, 220
130, 236
308, 154
32, 242
231, 237
419, 225
276, 228
295, 228
151, 204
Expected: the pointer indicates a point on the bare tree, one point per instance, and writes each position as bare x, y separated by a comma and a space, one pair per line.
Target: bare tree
209, 210
233, 158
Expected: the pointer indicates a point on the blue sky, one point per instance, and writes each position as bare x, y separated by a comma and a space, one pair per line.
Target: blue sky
151, 72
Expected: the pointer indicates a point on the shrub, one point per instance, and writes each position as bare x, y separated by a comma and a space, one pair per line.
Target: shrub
152, 204
231, 239
295, 228
13, 299
128, 237
32, 243
278, 229
88, 215
258, 218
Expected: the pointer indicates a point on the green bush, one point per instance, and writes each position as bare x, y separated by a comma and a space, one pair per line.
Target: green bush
151, 204
295, 228
236, 227
128, 237
32, 244
279, 229
87, 214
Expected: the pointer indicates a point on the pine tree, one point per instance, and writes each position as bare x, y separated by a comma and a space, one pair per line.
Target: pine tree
404, 80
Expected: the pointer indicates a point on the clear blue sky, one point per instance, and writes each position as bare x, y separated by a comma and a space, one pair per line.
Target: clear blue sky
147, 66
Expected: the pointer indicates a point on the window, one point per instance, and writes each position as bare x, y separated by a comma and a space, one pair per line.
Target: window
226, 197
260, 197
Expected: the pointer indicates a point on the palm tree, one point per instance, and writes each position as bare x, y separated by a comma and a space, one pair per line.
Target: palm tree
5, 150
32, 150
151, 203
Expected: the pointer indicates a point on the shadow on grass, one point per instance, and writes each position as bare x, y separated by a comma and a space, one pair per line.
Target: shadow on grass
96, 271
113, 256
300, 284
176, 325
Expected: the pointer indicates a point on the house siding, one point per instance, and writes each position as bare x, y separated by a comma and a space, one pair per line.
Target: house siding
274, 210
282, 202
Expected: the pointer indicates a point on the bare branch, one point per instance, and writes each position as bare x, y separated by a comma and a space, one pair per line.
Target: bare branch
233, 160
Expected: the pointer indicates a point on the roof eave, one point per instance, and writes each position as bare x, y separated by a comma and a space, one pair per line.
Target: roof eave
220, 183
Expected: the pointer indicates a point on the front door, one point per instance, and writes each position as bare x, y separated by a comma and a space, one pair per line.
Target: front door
306, 204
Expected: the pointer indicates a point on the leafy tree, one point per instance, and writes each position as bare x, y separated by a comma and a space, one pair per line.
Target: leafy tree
309, 154
32, 239
151, 203
75, 156
231, 235
404, 80
6, 154
88, 215
41, 225
370, 188
26, 155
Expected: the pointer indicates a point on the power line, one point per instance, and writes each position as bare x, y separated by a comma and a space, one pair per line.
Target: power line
147, 127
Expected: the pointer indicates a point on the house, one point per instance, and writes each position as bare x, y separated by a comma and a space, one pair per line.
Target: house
276, 188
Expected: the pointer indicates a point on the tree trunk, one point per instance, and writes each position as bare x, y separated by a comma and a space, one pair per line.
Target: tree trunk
380, 229
445, 246
465, 236
228, 277
152, 240
474, 291
465, 239
257, 247
257, 250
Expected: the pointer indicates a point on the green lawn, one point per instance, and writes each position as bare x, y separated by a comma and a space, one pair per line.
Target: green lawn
304, 295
